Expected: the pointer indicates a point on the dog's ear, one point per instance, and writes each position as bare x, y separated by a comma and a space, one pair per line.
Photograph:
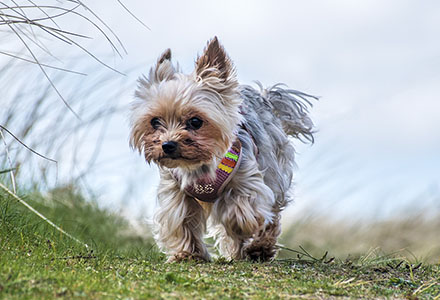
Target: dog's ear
164, 69
166, 55
214, 62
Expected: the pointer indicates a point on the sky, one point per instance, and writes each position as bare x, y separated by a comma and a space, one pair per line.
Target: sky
374, 64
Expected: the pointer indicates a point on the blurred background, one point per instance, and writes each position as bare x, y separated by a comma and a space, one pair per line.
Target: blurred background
370, 180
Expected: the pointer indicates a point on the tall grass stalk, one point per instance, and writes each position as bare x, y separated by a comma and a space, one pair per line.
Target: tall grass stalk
28, 206
34, 30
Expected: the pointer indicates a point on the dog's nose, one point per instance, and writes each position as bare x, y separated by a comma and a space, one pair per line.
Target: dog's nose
169, 147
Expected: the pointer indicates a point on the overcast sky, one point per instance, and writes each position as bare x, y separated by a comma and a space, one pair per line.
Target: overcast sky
375, 65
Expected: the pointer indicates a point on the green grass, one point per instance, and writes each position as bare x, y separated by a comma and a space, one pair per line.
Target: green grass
37, 262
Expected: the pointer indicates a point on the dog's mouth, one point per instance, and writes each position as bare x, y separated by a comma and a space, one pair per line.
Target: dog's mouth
175, 157
176, 161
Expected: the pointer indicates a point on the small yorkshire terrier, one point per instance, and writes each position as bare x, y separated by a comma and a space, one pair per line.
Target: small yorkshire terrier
223, 152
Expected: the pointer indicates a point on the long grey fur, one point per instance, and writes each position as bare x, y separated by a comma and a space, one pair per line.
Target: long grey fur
270, 116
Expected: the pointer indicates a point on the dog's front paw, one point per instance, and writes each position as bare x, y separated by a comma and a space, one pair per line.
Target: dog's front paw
187, 256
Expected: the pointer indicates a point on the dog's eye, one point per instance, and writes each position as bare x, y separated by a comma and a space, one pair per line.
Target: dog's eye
155, 123
195, 123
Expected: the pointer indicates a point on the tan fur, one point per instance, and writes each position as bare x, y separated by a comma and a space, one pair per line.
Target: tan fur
196, 147
245, 219
207, 207
214, 62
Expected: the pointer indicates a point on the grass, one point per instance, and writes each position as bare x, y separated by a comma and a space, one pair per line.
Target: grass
38, 262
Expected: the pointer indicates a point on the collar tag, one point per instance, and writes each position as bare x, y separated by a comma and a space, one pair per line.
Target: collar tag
208, 190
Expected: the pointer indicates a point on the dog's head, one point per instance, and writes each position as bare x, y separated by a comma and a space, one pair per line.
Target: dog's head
186, 120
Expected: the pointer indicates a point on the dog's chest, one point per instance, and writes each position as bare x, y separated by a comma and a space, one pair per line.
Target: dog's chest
207, 189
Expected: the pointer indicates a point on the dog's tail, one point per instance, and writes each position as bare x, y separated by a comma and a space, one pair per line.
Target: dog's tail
270, 113
291, 107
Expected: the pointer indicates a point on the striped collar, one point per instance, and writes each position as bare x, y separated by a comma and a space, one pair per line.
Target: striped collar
208, 190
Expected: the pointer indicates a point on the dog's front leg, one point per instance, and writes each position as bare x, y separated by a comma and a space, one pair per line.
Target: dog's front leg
179, 224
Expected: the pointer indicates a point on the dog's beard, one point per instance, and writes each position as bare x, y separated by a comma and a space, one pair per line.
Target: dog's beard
182, 162
190, 162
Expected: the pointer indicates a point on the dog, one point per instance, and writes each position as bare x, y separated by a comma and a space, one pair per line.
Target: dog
224, 154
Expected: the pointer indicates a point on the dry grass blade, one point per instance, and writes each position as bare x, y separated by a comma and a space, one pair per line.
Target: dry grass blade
22, 13
11, 170
44, 65
23, 18
6, 171
61, 35
136, 18
102, 22
33, 116
425, 286
27, 147
42, 69
11, 19
67, 11
41, 215
40, 8
304, 253
409, 238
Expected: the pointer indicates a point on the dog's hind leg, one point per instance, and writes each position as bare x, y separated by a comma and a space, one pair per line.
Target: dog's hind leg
262, 246
237, 222
242, 212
